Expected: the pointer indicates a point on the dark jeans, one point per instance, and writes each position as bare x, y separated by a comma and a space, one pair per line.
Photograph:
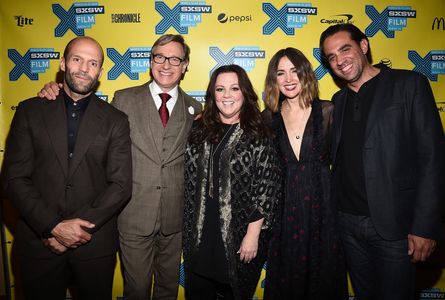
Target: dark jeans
379, 269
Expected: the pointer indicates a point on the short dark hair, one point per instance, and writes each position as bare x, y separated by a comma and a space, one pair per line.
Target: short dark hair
356, 35
167, 38
70, 44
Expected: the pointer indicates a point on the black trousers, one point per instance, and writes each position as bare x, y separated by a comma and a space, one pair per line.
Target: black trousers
379, 269
49, 279
202, 288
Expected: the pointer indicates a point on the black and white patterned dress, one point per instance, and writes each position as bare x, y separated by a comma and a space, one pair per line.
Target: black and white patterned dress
249, 183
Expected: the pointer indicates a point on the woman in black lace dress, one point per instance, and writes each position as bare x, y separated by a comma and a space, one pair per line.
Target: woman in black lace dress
305, 260
232, 182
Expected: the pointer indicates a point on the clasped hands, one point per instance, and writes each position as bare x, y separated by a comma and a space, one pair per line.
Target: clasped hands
68, 234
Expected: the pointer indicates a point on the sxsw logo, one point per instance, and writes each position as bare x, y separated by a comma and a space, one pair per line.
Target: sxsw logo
433, 293
393, 18
134, 61
290, 16
431, 65
242, 56
102, 96
198, 95
183, 15
321, 70
263, 282
182, 275
80, 16
35, 61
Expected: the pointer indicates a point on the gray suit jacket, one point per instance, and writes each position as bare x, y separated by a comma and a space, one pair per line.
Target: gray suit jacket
158, 160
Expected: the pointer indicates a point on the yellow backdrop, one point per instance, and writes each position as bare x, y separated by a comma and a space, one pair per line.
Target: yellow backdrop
405, 34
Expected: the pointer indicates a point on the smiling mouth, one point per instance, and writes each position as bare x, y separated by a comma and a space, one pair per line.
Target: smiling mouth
345, 68
163, 73
228, 102
290, 87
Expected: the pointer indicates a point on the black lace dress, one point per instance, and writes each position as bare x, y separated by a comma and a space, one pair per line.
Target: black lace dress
305, 259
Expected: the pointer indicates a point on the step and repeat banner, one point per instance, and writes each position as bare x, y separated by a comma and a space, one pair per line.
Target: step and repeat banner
408, 34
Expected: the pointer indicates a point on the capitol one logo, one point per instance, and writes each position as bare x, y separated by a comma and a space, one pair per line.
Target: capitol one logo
134, 61
242, 56
432, 65
80, 16
338, 19
183, 15
290, 16
390, 20
33, 62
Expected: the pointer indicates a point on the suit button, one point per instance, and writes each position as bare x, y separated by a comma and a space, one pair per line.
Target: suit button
162, 166
158, 187
68, 186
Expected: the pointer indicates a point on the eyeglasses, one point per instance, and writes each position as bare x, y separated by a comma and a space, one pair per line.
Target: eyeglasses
173, 60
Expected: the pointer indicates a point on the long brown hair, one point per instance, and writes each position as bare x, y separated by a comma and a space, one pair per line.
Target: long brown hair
308, 81
210, 127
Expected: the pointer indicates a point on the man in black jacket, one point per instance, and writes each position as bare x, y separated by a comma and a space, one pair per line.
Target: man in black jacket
68, 171
387, 151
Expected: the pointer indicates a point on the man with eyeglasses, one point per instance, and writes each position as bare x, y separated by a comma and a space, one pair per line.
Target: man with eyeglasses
150, 226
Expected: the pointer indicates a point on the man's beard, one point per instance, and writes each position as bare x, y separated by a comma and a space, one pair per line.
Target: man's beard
74, 86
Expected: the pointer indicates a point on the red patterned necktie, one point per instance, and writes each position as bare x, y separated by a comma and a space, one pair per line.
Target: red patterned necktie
163, 111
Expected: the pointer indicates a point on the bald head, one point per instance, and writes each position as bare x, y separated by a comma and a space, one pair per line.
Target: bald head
88, 40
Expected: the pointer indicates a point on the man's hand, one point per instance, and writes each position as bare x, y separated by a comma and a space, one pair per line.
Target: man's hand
50, 90
420, 248
54, 246
70, 233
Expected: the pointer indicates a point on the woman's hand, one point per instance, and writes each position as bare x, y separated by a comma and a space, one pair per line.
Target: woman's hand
249, 245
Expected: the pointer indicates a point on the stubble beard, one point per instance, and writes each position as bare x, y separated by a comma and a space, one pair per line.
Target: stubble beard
79, 88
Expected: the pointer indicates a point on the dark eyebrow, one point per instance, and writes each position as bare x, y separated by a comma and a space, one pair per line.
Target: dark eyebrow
345, 46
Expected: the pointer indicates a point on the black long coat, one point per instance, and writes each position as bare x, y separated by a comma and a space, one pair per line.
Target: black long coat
249, 181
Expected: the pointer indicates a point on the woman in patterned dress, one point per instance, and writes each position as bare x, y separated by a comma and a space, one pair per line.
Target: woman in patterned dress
305, 261
232, 185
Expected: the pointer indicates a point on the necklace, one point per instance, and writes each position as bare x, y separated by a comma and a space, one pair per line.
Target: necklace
298, 136
213, 150
299, 131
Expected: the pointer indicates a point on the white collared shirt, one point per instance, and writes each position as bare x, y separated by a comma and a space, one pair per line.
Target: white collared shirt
155, 90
